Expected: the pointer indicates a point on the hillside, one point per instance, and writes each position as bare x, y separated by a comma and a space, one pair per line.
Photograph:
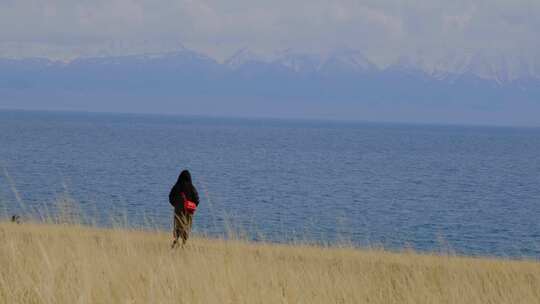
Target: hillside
73, 264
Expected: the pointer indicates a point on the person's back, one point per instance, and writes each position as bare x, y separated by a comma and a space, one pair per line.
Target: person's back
181, 192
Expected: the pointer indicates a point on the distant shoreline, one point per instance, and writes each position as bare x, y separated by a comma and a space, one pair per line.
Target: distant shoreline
266, 119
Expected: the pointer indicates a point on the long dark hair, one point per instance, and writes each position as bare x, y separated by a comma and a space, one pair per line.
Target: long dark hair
184, 179
183, 185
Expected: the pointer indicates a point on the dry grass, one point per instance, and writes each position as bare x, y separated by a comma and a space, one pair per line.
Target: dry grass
72, 264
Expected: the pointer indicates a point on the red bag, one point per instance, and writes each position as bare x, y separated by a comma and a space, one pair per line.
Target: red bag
189, 206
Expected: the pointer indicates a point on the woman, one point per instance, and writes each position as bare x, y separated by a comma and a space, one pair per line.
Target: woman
181, 192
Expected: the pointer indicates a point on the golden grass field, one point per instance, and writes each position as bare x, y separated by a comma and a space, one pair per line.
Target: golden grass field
46, 263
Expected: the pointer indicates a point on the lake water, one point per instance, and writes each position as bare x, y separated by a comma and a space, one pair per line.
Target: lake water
474, 190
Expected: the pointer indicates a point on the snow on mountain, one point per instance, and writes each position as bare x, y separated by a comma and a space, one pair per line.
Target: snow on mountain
450, 66
493, 66
299, 62
482, 66
407, 65
186, 78
349, 61
242, 57
181, 55
455, 65
447, 67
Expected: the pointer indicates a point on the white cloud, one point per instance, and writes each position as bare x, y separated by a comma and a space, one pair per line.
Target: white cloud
384, 29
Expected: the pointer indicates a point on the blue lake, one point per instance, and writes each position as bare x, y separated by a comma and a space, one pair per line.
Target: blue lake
473, 190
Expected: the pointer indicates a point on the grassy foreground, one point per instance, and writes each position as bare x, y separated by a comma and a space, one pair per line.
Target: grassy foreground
42, 263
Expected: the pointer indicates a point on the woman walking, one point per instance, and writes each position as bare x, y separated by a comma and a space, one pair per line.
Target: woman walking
185, 199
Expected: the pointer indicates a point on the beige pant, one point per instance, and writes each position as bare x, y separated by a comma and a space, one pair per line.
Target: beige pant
182, 226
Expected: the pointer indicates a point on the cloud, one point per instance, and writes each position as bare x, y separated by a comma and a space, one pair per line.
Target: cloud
384, 29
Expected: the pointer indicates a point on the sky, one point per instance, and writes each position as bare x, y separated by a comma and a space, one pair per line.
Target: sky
384, 30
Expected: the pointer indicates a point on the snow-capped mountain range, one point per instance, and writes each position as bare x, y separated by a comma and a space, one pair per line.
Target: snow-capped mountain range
490, 66
344, 78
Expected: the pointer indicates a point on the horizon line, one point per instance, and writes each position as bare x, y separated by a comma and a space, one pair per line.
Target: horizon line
331, 120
